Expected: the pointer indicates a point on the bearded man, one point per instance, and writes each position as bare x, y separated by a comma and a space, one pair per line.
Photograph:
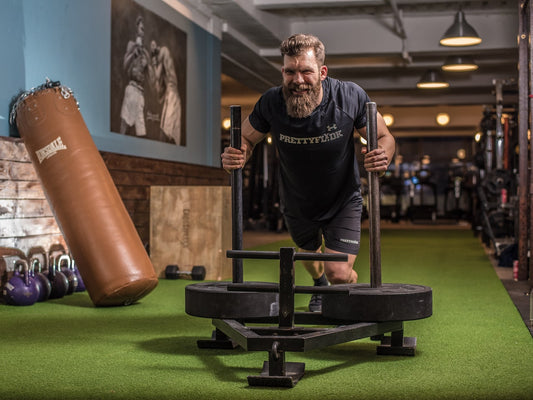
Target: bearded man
312, 119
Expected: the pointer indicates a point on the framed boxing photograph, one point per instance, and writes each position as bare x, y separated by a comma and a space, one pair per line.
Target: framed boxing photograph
148, 75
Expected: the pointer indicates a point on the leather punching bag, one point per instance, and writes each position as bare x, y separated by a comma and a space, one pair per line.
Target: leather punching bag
97, 228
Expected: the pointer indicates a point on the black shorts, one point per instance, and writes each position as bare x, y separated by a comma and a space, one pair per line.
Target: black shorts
341, 233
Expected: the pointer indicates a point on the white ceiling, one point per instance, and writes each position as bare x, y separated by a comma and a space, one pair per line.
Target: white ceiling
383, 45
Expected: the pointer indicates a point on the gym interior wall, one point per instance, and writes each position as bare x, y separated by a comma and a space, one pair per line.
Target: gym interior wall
71, 42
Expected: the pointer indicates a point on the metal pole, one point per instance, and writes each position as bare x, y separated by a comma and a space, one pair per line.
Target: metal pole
373, 200
527, 273
236, 194
498, 83
286, 287
523, 121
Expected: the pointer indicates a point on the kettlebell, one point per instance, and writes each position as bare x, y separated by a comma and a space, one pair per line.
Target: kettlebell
64, 266
21, 289
81, 286
37, 262
45, 288
8, 252
57, 279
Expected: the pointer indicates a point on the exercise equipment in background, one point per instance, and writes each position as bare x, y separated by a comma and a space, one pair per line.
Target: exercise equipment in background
391, 189
459, 191
197, 273
495, 213
38, 261
422, 193
21, 289
45, 288
58, 280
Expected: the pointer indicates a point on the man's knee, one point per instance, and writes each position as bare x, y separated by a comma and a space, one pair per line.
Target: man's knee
339, 275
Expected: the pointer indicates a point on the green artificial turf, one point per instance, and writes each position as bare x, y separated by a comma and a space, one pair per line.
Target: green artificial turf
475, 346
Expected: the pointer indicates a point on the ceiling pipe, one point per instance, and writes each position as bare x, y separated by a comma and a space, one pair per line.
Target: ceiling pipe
245, 68
400, 29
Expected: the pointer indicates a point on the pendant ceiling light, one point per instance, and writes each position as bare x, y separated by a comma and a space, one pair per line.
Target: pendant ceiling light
459, 63
461, 33
389, 119
432, 79
443, 118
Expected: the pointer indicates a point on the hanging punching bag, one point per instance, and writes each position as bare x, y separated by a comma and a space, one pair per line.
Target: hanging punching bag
98, 230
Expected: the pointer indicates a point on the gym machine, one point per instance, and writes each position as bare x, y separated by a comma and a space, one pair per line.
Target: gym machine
391, 186
496, 216
422, 193
458, 194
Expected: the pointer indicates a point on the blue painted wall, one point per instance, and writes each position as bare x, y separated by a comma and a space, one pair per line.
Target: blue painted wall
69, 41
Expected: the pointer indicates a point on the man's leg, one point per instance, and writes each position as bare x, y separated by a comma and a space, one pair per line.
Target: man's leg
343, 235
316, 270
334, 272
340, 272
308, 235
124, 127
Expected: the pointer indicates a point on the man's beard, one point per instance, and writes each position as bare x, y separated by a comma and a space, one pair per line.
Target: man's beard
301, 106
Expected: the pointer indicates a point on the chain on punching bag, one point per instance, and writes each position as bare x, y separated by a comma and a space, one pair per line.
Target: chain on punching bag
98, 230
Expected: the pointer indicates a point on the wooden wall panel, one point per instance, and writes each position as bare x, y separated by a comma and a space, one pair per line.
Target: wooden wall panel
191, 225
134, 176
26, 219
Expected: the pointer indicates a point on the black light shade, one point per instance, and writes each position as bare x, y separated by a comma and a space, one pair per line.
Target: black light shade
461, 33
432, 79
459, 63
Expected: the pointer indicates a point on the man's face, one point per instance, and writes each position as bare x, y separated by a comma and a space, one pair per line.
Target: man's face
140, 29
302, 83
153, 47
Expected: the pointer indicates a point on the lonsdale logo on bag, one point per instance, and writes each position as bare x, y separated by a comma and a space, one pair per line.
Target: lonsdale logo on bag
50, 149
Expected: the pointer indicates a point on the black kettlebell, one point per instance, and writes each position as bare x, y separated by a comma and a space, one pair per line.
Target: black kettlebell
64, 266
45, 288
21, 289
57, 279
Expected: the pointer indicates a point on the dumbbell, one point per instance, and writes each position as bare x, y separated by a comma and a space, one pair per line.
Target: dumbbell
197, 273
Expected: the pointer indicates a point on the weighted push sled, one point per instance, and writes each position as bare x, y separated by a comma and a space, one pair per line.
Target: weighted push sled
349, 311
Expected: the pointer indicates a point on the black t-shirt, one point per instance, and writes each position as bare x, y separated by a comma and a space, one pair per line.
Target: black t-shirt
318, 169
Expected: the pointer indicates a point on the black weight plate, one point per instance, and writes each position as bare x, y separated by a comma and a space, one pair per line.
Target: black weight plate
172, 272
390, 302
213, 300
198, 273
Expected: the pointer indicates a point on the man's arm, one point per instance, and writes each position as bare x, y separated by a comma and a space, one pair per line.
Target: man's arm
237, 158
379, 159
131, 49
155, 69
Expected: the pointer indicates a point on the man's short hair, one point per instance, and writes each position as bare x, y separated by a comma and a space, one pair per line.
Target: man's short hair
139, 20
298, 43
